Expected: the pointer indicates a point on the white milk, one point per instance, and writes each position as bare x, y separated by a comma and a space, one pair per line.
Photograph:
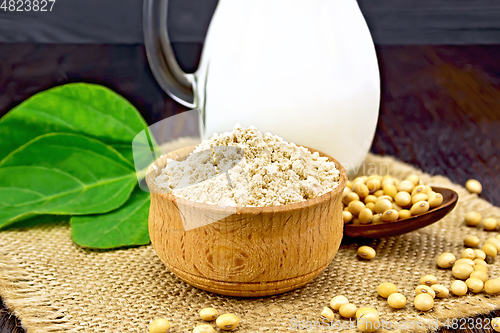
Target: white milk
304, 70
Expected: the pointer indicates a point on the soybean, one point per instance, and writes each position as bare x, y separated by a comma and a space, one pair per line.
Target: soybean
403, 199
428, 280
483, 276
404, 214
347, 216
327, 313
355, 207
348, 310
373, 185
418, 197
490, 224
365, 216
364, 310
390, 216
440, 290
390, 190
396, 300
490, 250
423, 289
406, 186
376, 218
350, 196
415, 179
469, 254
369, 322
472, 219
375, 176
387, 288
385, 197
446, 260
382, 205
471, 241
423, 302
419, 189
396, 207
480, 262
209, 314
492, 286
495, 324
370, 198
160, 325
462, 271
366, 252
465, 261
338, 301
480, 254
435, 200
419, 208
361, 189
459, 288
481, 268
475, 285
227, 321
474, 186
494, 241
361, 179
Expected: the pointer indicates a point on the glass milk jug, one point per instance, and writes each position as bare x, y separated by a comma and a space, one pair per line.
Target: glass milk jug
303, 70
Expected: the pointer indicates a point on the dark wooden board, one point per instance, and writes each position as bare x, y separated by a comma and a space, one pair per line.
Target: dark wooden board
440, 104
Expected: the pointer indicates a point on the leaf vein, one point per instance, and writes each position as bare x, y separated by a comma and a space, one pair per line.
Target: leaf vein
75, 190
129, 129
48, 115
124, 219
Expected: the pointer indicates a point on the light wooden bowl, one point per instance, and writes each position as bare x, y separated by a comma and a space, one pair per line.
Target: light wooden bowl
250, 251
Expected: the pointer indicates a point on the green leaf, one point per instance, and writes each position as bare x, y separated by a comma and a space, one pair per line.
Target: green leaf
64, 174
38, 221
81, 108
123, 227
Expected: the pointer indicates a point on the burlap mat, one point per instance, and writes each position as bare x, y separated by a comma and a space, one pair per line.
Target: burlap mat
54, 286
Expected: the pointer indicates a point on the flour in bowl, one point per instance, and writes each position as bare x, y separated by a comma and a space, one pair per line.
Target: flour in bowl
245, 167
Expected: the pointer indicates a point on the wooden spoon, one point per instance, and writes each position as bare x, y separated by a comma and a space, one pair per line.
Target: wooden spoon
387, 229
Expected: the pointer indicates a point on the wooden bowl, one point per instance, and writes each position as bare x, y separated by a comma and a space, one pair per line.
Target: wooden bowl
249, 251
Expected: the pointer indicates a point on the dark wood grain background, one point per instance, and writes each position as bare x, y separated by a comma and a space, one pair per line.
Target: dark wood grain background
440, 106
392, 22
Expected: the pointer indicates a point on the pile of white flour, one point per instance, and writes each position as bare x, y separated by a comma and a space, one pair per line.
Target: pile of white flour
247, 168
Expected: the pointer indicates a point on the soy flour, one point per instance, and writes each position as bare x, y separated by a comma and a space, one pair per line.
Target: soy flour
245, 167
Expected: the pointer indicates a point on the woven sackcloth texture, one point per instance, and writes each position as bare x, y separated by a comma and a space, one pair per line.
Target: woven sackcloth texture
53, 285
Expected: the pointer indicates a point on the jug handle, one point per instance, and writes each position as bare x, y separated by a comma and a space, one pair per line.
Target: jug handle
177, 84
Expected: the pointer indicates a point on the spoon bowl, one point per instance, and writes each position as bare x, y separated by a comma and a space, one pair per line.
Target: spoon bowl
387, 229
